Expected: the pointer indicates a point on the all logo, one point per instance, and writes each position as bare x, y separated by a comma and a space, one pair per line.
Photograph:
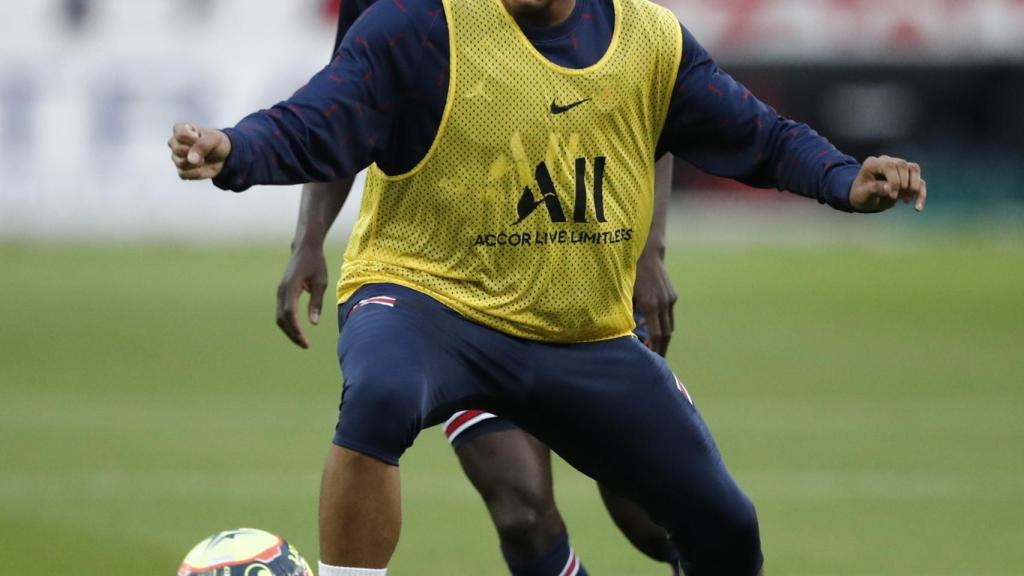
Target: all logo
541, 207
529, 203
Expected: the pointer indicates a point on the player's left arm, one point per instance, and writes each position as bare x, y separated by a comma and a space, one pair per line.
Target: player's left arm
715, 123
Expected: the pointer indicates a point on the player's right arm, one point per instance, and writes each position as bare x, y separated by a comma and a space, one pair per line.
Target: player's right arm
333, 127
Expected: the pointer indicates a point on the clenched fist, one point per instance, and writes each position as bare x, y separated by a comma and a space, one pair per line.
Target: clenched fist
198, 153
883, 181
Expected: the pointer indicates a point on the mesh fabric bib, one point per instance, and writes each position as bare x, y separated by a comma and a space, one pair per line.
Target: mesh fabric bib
533, 204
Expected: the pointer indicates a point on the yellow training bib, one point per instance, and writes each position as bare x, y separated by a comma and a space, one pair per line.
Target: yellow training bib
533, 204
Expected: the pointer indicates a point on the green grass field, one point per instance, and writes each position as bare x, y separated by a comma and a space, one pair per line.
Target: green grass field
870, 400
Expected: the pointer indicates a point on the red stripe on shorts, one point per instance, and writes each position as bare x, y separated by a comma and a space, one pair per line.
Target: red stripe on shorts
465, 417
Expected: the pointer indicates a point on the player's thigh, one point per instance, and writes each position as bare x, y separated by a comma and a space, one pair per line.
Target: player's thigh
398, 373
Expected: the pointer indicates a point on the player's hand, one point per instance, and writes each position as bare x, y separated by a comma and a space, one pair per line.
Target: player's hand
883, 181
306, 272
656, 299
198, 153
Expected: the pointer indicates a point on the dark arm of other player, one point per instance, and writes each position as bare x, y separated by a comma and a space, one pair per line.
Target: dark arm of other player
653, 293
716, 124
318, 209
307, 267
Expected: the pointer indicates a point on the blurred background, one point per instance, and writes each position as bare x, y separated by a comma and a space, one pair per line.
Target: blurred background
87, 86
863, 375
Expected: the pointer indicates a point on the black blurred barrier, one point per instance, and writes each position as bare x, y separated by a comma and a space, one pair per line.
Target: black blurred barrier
963, 123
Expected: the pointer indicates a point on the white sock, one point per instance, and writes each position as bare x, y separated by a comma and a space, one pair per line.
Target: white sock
326, 570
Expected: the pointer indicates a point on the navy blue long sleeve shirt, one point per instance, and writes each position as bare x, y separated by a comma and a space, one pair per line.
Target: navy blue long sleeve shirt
382, 97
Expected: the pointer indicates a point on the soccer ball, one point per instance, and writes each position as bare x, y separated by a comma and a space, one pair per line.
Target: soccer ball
244, 552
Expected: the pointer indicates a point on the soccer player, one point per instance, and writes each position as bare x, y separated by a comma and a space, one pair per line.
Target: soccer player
509, 468
493, 262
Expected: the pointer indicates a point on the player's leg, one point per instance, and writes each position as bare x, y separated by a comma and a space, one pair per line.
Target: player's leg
614, 410
358, 532
360, 496
631, 519
403, 370
637, 526
512, 472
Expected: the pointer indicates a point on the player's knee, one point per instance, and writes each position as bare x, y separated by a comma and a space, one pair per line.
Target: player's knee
360, 425
528, 523
741, 528
733, 547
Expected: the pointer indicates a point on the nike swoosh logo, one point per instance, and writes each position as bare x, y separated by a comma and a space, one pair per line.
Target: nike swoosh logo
556, 109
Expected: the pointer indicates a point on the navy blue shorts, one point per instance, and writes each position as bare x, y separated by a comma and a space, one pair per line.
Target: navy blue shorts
466, 425
612, 409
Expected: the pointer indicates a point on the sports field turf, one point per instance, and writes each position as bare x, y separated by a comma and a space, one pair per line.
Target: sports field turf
870, 400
